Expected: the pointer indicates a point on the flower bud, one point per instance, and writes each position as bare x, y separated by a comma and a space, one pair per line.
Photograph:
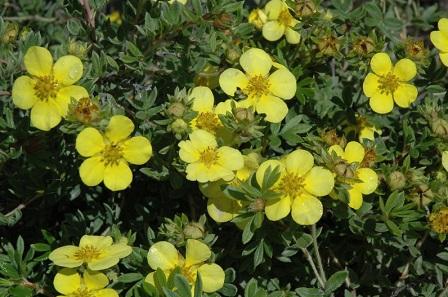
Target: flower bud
86, 111
331, 138
415, 49
194, 230
77, 48
244, 114
345, 170
257, 205
305, 8
438, 220
396, 180
11, 32
439, 127
363, 46
179, 126
329, 45
176, 110
422, 195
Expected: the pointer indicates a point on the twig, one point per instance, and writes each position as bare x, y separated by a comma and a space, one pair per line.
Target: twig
317, 254
313, 267
89, 16
26, 18
22, 205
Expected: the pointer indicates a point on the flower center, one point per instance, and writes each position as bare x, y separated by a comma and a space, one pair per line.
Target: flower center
258, 86
291, 185
46, 87
188, 273
112, 154
285, 18
82, 293
209, 157
87, 253
208, 121
439, 221
388, 83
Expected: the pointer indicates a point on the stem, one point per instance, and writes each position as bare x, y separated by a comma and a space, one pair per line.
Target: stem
313, 266
22, 205
317, 254
36, 18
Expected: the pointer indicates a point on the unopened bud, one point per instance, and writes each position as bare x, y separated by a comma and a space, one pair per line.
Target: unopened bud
86, 111
194, 230
396, 180
257, 205
176, 109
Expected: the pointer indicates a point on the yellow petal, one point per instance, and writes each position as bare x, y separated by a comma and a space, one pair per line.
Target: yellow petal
65, 256
337, 149
150, 278
110, 256
91, 171
283, 84
202, 139
381, 64
306, 210
273, 9
45, 115
99, 242
354, 152
292, 36
68, 70
274, 108
370, 85
95, 280
299, 162
381, 103
439, 40
278, 209
355, 198
117, 177
319, 181
256, 61
119, 128
67, 281
203, 99
38, 61
405, 94
273, 30
23, 94
268, 164
369, 180
105, 293
444, 58
137, 150
188, 152
443, 25
405, 70
445, 160
230, 158
225, 107
222, 209
89, 142
212, 277
196, 252
231, 79
65, 95
367, 133
163, 255
200, 172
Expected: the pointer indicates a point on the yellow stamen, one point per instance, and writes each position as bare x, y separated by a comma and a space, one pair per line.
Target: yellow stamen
285, 18
258, 86
46, 87
388, 83
291, 185
208, 121
112, 154
87, 253
82, 293
188, 273
209, 156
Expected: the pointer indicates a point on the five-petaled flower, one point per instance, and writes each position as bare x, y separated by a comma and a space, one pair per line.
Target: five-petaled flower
388, 83
264, 91
50, 88
363, 181
165, 256
69, 283
299, 185
280, 22
109, 154
98, 252
440, 40
206, 161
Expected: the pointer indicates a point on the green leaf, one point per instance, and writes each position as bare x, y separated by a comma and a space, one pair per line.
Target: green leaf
130, 277
309, 292
335, 281
182, 285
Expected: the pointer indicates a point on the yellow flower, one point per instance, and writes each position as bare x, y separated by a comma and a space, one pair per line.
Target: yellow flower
264, 91
388, 83
257, 18
280, 22
178, 1
165, 256
109, 154
206, 161
98, 252
220, 207
438, 221
115, 17
300, 184
49, 89
368, 179
440, 40
208, 115
69, 283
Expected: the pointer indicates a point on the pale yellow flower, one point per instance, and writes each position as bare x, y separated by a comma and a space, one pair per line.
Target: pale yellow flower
440, 40
69, 283
280, 22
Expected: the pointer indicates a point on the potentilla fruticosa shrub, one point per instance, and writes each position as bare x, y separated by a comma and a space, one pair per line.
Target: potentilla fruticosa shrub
265, 148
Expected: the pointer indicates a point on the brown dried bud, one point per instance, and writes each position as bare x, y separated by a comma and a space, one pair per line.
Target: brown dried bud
363, 46
257, 205
305, 8
86, 111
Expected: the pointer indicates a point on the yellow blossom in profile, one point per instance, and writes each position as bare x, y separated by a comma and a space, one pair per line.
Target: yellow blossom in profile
263, 91
363, 181
206, 161
49, 88
98, 252
299, 185
69, 283
257, 18
438, 220
366, 130
165, 256
115, 17
389, 83
440, 40
280, 22
109, 154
